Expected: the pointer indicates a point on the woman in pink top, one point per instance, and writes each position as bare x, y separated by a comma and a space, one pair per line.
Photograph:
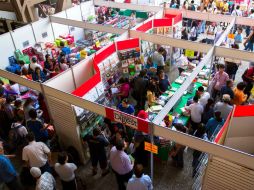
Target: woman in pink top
219, 80
124, 88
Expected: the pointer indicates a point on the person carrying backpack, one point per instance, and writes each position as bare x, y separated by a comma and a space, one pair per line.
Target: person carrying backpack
18, 132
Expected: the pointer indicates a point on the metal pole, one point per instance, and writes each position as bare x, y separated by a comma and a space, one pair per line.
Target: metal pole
151, 131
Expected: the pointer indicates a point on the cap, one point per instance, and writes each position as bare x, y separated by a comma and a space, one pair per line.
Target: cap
226, 97
142, 114
35, 172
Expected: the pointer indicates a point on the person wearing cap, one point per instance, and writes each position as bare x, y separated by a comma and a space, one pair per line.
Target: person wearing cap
139, 180
44, 181
214, 124
227, 89
34, 64
8, 174
224, 106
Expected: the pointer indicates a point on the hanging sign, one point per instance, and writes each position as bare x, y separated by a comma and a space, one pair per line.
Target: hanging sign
126, 119
189, 53
151, 148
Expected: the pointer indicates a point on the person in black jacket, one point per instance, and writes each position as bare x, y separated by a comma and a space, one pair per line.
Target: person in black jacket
140, 84
97, 143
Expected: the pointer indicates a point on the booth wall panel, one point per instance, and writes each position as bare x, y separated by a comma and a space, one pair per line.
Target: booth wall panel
87, 9
23, 36
74, 13
63, 81
6, 49
245, 144
222, 174
65, 124
241, 127
60, 14
8, 15
60, 29
83, 71
40, 27
74, 100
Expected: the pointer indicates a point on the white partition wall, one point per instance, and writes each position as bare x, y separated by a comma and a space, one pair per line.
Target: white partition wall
6, 50
240, 134
63, 81
65, 124
83, 71
87, 9
60, 29
43, 30
23, 37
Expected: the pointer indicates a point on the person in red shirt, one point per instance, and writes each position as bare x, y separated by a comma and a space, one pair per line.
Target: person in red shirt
248, 78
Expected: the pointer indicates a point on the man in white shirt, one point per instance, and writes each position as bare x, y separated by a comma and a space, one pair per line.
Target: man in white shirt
224, 107
237, 11
139, 181
36, 154
121, 164
158, 59
44, 181
196, 110
66, 172
34, 64
251, 13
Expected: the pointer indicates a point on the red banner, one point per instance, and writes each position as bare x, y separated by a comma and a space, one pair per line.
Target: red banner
178, 18
126, 119
244, 111
87, 86
162, 22
104, 53
127, 44
145, 27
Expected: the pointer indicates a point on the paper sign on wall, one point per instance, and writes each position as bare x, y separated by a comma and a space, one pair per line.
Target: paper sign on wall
189, 53
151, 148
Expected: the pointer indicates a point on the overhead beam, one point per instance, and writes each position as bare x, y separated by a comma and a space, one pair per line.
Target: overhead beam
86, 25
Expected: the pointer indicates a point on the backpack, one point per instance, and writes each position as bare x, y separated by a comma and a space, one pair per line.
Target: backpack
15, 138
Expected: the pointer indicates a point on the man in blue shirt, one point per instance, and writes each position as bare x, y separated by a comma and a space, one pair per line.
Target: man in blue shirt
227, 89
8, 174
139, 180
126, 107
214, 124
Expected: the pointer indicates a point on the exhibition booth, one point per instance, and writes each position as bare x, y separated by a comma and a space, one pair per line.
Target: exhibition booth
81, 91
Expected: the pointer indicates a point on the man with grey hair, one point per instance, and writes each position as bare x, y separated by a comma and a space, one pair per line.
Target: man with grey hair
224, 106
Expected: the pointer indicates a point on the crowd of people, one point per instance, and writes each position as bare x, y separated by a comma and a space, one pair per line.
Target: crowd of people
40, 72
